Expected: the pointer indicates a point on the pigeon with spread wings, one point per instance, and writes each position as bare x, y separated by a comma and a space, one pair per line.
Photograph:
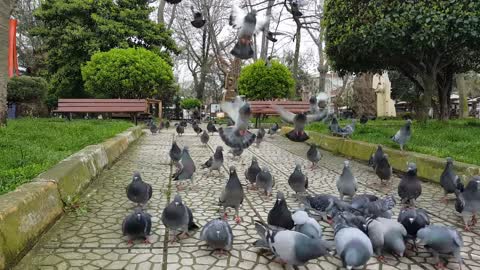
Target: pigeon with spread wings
237, 136
247, 24
299, 121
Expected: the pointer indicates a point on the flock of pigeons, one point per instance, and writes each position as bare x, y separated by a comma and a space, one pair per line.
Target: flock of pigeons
363, 225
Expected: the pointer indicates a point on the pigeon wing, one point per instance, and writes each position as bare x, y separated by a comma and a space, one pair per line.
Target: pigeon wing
285, 115
316, 117
237, 16
261, 22
232, 108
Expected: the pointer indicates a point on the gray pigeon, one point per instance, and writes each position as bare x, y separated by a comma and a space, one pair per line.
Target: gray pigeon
232, 195
468, 202
216, 161
299, 121
360, 201
218, 235
334, 127
383, 169
196, 128
137, 225
449, 181
306, 225
251, 172
297, 180
272, 130
237, 136
153, 128
178, 217
138, 191
260, 135
265, 181
327, 205
377, 208
413, 219
247, 24
279, 215
439, 239
236, 152
348, 130
372, 162
386, 234
211, 127
313, 155
346, 183
204, 137
186, 167
314, 109
403, 135
291, 247
410, 187
180, 130
175, 153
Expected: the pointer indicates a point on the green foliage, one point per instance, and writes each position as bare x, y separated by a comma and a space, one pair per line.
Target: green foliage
190, 103
126, 73
260, 82
26, 88
73, 30
31, 146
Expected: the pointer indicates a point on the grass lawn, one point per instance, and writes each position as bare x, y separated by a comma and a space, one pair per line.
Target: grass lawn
459, 139
31, 146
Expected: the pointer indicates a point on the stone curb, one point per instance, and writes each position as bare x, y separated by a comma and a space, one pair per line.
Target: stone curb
29, 210
429, 167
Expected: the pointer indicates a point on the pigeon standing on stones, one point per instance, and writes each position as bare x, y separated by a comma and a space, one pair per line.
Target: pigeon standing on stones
273, 129
138, 191
216, 161
313, 155
260, 135
297, 180
178, 217
247, 24
306, 225
218, 235
346, 183
198, 21
439, 239
403, 135
186, 168
386, 234
137, 225
377, 208
204, 138
180, 129
251, 173
413, 219
373, 161
196, 128
449, 181
279, 215
410, 187
211, 127
153, 128
265, 181
175, 153
383, 169
237, 136
232, 195
299, 121
468, 202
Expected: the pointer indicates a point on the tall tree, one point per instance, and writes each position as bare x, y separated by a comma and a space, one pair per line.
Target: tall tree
318, 37
6, 9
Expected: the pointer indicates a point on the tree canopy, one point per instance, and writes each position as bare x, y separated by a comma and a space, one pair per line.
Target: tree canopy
259, 81
190, 103
127, 73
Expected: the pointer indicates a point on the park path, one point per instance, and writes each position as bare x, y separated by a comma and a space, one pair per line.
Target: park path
93, 240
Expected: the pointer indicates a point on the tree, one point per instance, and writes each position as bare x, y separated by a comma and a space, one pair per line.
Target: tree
72, 31
403, 89
26, 88
190, 103
127, 73
6, 9
258, 81
427, 41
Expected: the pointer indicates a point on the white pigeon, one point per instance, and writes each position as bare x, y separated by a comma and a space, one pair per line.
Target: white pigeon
247, 24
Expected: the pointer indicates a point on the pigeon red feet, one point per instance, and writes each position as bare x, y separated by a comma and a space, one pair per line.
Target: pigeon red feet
238, 219
444, 200
130, 242
439, 265
225, 216
467, 228
381, 259
474, 220
146, 241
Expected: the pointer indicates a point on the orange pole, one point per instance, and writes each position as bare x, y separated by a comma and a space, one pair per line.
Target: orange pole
12, 48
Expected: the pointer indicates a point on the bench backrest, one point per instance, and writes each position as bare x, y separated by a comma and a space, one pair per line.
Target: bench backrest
102, 105
266, 107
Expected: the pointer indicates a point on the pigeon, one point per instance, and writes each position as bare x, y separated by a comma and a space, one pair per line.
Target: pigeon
196, 128
413, 219
198, 21
386, 234
137, 225
260, 134
334, 127
352, 220
372, 162
204, 138
173, 2
273, 129
230, 122
313, 155
297, 180
348, 130
178, 217
218, 235
439, 239
327, 205
291, 247
216, 161
186, 168
175, 153
236, 152
410, 187
247, 24
306, 225
376, 208
295, 9
299, 121
153, 128
383, 169
314, 109
346, 183
363, 119
237, 136
271, 36
167, 124
252, 171
360, 201
279, 215
468, 202
183, 123
138, 191
403, 135
265, 181
449, 181
180, 129
232, 195
211, 127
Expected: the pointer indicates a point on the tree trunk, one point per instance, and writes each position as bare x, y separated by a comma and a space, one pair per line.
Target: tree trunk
322, 67
264, 48
6, 7
429, 87
160, 12
463, 106
444, 90
296, 58
364, 95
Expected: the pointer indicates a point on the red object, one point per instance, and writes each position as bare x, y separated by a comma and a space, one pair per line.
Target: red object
12, 49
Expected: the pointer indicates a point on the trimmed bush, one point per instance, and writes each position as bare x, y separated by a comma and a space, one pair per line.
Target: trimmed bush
26, 89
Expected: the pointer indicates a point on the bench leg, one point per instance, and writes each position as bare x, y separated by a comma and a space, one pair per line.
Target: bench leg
135, 119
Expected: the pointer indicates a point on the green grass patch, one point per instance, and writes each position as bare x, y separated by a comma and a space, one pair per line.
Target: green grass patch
30, 146
459, 139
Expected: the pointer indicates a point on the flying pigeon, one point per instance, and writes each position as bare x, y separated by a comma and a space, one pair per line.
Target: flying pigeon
314, 109
138, 191
439, 239
403, 135
137, 225
279, 215
232, 195
363, 119
410, 187
198, 21
383, 169
346, 183
265, 181
237, 136
247, 24
218, 235
211, 127
299, 121
468, 202
449, 181
413, 219
186, 168
178, 217
251, 172
313, 155
204, 138
167, 124
386, 234
180, 129
260, 134
216, 161
175, 153
306, 225
376, 157
271, 37
297, 180
272, 130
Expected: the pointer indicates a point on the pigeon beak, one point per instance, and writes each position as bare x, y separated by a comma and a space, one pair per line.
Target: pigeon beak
411, 220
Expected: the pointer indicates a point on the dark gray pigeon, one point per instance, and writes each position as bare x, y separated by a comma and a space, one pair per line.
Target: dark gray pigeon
175, 153
216, 161
153, 128
377, 208
386, 234
237, 136
167, 124
218, 235
178, 217
410, 187
265, 181
173, 2
334, 127
468, 202
383, 169
363, 119
247, 24
403, 135
359, 201
180, 130
325, 204
346, 183
236, 152
251, 172
273, 130
198, 21
204, 137
279, 215
413, 219
299, 121
439, 239
138, 191
314, 109
449, 181
186, 167
306, 225
313, 155
372, 162
137, 225
232, 195
196, 128
211, 127
260, 135
347, 131
297, 180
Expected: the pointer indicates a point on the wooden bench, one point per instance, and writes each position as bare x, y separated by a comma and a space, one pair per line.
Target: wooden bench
261, 109
131, 106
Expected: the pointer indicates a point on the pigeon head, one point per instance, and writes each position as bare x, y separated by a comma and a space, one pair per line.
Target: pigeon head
346, 163
245, 110
298, 165
185, 148
300, 217
379, 148
265, 169
219, 148
385, 156
449, 160
136, 176
177, 200
473, 185
301, 117
232, 170
251, 17
412, 168
254, 159
280, 196
313, 100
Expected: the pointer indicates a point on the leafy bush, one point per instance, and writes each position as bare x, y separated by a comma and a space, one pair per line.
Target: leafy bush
127, 73
260, 82
190, 103
26, 88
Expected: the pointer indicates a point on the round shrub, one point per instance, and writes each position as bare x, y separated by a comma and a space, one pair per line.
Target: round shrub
26, 89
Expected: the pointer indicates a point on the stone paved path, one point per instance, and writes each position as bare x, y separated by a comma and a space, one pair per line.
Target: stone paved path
93, 240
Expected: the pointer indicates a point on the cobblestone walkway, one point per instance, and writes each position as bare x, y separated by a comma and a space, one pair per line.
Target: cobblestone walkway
93, 240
